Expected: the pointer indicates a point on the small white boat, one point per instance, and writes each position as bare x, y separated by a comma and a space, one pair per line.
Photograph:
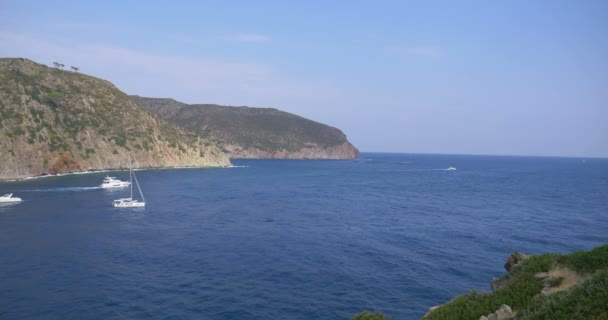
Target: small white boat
9, 198
451, 169
130, 202
112, 182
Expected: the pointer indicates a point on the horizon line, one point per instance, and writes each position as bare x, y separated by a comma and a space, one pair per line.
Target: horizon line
487, 155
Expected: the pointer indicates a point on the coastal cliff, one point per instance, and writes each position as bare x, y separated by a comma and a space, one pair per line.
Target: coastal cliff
55, 121
245, 132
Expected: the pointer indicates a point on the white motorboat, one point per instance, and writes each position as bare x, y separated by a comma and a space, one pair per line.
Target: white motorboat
112, 182
130, 202
451, 169
9, 198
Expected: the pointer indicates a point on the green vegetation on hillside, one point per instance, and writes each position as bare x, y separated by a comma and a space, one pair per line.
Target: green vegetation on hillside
58, 118
265, 129
56, 121
586, 261
588, 300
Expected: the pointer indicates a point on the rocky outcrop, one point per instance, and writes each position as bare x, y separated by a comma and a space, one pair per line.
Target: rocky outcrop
431, 309
503, 313
558, 279
56, 121
514, 259
64, 162
246, 132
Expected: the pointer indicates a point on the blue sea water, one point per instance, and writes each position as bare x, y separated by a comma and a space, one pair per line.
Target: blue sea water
295, 240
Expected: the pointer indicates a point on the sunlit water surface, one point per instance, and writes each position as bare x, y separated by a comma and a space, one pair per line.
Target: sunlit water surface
290, 239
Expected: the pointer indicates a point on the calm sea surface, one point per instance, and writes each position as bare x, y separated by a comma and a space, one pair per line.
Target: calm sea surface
290, 239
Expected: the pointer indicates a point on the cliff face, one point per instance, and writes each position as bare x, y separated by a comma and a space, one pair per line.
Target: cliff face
312, 151
246, 132
54, 121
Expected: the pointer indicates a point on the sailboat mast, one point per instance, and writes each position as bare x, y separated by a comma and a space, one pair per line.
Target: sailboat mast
131, 178
141, 194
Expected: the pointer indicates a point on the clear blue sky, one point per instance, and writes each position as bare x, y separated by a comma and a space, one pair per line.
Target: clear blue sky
473, 77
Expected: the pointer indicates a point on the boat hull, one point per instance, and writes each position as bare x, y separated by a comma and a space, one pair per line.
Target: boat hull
113, 186
8, 198
133, 205
128, 204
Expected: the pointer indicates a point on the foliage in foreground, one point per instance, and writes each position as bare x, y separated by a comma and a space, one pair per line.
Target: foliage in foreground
588, 300
519, 292
586, 261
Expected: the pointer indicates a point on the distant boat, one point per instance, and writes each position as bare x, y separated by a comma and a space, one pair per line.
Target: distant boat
112, 182
451, 168
130, 202
9, 198
405, 162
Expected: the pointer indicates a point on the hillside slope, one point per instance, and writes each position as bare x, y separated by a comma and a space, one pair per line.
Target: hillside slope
255, 132
54, 121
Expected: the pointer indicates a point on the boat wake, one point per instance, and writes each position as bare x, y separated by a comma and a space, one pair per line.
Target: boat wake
63, 189
418, 170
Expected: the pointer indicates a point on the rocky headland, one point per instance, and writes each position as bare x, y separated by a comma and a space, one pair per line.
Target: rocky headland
245, 132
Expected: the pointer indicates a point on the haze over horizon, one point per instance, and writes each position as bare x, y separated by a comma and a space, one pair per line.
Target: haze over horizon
512, 78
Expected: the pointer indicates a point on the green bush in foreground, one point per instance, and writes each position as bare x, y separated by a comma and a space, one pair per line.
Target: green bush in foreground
518, 293
587, 300
586, 261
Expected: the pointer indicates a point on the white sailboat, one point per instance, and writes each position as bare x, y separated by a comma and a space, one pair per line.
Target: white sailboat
130, 202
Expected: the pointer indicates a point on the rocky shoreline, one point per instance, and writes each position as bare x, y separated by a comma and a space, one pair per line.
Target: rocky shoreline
339, 152
44, 175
